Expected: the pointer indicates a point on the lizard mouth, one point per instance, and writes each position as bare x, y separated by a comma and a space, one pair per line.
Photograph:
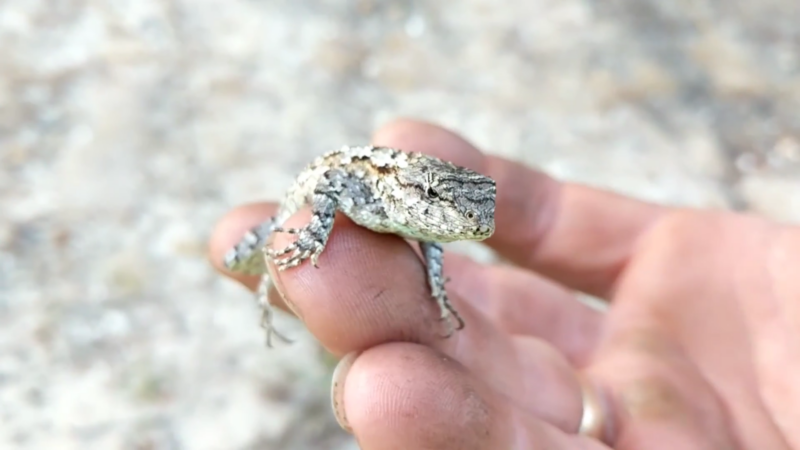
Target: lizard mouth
485, 230
482, 232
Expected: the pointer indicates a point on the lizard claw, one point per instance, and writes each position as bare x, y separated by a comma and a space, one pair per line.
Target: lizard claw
307, 246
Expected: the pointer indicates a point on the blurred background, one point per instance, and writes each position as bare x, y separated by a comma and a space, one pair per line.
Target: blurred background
128, 127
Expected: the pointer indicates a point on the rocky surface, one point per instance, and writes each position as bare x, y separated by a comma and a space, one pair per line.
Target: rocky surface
127, 127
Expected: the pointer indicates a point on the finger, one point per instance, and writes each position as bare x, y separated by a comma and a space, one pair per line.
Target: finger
404, 395
523, 303
338, 304
370, 289
579, 236
516, 301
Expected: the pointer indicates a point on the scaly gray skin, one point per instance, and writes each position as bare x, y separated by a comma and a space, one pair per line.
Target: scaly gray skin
386, 190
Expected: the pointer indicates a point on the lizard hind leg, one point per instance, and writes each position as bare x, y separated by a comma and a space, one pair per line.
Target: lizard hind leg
267, 312
246, 256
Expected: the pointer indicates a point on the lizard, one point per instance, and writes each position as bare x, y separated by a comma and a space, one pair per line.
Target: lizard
413, 195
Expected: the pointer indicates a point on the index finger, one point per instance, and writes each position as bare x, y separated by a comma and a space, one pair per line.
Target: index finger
579, 236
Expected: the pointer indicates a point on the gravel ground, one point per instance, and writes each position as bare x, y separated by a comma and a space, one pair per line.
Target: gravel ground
128, 127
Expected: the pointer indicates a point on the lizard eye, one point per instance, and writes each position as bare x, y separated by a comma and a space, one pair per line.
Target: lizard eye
470, 215
431, 193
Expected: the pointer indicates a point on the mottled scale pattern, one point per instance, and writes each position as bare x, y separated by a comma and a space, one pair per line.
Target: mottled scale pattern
386, 190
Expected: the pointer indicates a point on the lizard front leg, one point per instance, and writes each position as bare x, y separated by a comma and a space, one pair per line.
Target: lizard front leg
247, 257
312, 238
310, 242
434, 261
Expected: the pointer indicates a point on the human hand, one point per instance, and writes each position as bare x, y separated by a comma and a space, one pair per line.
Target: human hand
700, 348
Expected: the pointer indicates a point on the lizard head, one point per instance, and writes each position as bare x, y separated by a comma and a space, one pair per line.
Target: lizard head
439, 201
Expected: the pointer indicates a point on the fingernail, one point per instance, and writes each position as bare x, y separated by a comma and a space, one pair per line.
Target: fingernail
337, 389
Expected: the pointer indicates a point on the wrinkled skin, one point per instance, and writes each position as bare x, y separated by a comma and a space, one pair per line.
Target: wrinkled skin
700, 348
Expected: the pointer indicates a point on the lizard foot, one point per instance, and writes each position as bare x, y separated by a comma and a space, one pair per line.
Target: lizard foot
448, 312
309, 245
